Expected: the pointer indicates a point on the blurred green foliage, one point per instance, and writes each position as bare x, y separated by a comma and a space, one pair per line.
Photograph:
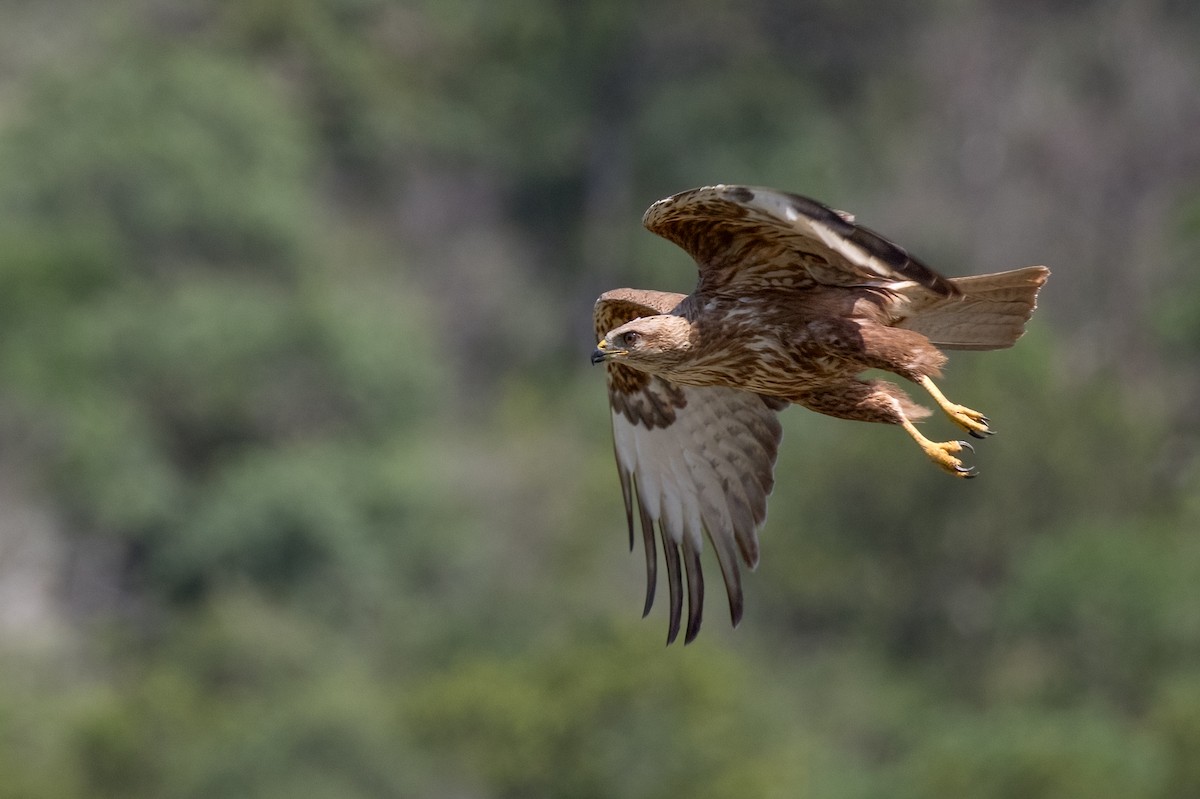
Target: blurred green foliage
294, 301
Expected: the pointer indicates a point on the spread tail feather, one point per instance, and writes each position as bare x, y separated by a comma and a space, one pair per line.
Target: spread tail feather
990, 315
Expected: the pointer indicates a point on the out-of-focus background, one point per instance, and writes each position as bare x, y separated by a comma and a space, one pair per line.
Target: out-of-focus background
305, 481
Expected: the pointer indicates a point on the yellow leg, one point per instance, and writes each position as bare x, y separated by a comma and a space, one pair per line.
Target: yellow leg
973, 422
942, 452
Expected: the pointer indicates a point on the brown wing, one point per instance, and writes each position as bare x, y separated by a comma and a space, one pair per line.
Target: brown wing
692, 461
754, 237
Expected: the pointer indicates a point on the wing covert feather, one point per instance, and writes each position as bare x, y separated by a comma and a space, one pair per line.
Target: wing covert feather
751, 237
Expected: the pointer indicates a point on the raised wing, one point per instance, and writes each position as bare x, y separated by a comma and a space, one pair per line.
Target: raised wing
747, 237
692, 462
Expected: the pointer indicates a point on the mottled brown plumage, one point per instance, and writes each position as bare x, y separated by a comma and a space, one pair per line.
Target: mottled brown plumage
794, 301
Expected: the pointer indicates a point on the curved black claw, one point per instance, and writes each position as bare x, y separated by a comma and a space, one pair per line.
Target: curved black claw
967, 472
976, 424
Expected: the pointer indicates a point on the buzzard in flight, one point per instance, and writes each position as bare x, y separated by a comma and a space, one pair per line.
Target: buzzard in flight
794, 301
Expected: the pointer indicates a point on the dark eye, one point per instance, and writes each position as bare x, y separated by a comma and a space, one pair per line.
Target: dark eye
631, 339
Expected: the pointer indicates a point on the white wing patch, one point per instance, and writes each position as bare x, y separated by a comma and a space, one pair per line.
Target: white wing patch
708, 472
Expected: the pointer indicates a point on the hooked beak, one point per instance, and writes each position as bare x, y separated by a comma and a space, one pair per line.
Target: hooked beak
600, 354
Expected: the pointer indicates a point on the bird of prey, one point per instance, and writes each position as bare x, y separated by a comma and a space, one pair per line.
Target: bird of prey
794, 301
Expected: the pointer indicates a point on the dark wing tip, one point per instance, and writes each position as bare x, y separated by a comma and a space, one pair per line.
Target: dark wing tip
674, 585
626, 493
872, 243
736, 606
898, 259
695, 579
651, 557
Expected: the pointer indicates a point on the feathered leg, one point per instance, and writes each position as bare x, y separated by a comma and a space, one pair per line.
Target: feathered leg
880, 401
911, 355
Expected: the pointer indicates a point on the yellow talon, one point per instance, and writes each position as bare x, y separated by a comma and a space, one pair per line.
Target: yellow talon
942, 452
970, 420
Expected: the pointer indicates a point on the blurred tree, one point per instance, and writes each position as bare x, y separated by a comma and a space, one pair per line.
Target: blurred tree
183, 338
1045, 754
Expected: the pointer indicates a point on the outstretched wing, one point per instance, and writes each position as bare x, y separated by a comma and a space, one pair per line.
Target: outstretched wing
692, 461
755, 237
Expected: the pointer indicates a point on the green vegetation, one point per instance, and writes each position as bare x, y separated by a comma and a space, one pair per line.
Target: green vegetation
306, 485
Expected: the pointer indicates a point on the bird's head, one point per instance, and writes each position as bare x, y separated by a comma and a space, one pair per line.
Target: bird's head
651, 344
